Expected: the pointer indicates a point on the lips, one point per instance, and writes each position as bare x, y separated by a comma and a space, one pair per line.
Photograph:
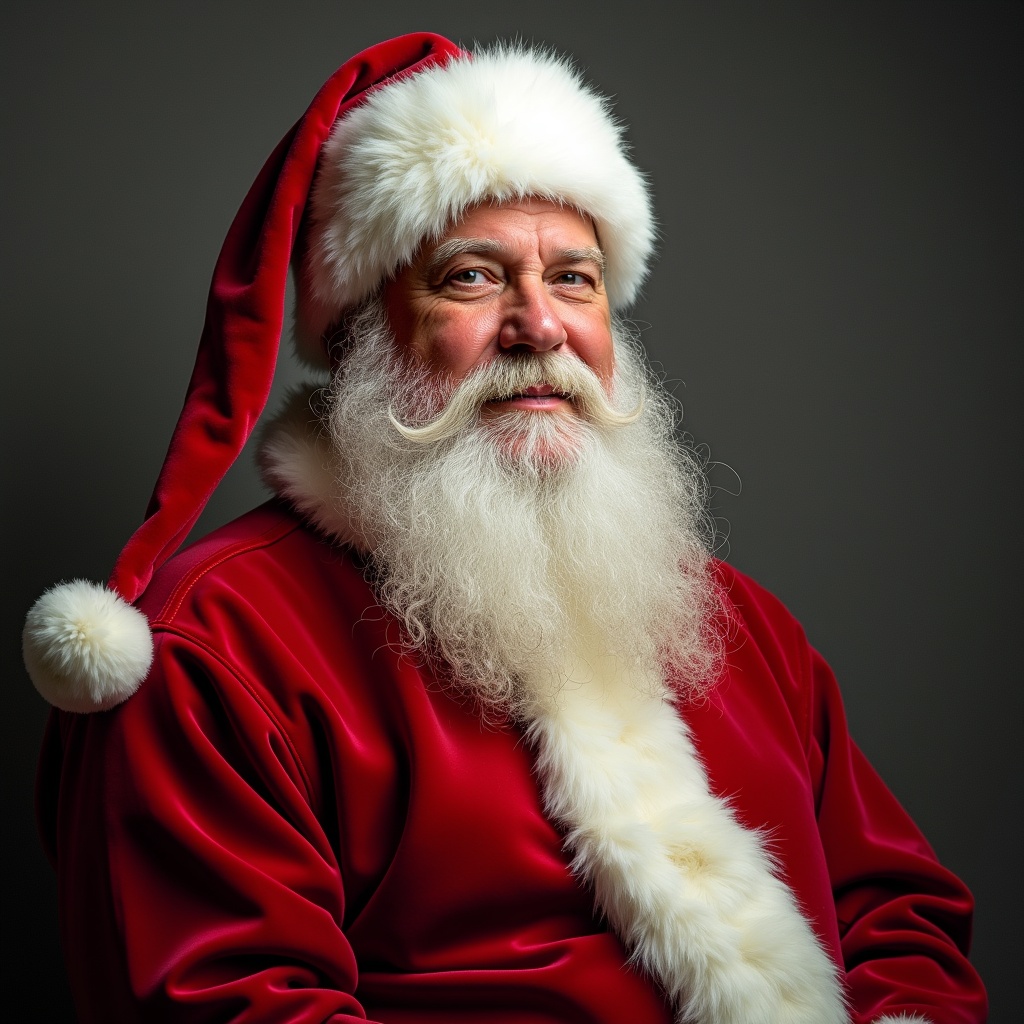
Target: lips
540, 395
541, 391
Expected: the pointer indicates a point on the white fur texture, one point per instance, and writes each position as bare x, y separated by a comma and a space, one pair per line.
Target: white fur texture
903, 1018
85, 648
297, 463
401, 167
690, 891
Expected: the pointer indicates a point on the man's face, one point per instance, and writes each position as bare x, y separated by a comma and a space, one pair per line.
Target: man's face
506, 279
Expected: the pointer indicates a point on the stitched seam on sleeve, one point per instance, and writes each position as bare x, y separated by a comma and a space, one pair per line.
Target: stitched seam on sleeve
181, 590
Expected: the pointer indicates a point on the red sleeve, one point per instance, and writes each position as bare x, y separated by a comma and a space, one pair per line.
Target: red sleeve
904, 920
195, 881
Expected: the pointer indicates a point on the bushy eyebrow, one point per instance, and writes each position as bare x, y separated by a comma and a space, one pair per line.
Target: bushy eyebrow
588, 254
453, 247
457, 246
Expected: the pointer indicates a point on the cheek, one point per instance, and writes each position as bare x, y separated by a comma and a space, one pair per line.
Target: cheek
452, 346
593, 344
446, 343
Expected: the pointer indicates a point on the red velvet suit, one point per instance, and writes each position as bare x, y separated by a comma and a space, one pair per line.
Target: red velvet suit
290, 821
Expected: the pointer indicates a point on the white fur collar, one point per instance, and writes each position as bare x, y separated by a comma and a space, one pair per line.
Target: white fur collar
297, 464
690, 891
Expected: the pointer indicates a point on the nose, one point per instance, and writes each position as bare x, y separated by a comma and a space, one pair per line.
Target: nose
531, 319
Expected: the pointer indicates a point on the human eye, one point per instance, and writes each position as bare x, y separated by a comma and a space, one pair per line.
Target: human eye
573, 280
469, 275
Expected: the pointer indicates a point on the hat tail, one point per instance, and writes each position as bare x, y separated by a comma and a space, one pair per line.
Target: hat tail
85, 647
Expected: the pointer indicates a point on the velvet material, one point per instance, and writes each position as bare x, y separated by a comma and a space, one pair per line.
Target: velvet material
245, 312
289, 821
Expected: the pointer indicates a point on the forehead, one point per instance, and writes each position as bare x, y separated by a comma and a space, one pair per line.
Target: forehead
526, 220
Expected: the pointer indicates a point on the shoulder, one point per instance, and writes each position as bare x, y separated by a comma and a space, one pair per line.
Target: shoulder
755, 613
244, 559
265, 608
768, 656
267, 578
249, 637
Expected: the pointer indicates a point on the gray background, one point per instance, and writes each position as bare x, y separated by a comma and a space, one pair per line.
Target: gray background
837, 302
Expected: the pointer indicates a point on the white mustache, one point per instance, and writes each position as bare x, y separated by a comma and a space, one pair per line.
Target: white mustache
509, 376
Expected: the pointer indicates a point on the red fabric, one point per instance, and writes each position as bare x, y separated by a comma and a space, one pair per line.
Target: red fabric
245, 312
290, 822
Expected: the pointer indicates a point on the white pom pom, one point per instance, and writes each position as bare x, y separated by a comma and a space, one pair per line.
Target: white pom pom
903, 1018
85, 648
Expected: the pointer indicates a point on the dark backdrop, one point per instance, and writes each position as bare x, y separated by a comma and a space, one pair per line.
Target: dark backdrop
837, 301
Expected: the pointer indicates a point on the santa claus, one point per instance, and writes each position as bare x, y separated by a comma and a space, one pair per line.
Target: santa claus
467, 723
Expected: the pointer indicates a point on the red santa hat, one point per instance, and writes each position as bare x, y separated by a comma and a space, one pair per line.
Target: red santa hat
398, 143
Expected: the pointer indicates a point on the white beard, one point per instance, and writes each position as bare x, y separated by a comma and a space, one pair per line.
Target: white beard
552, 567
513, 547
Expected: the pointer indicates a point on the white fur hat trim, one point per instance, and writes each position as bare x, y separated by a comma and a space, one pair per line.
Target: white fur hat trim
501, 125
85, 648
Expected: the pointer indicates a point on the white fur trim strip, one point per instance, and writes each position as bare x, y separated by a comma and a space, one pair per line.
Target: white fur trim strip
503, 124
690, 891
85, 648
